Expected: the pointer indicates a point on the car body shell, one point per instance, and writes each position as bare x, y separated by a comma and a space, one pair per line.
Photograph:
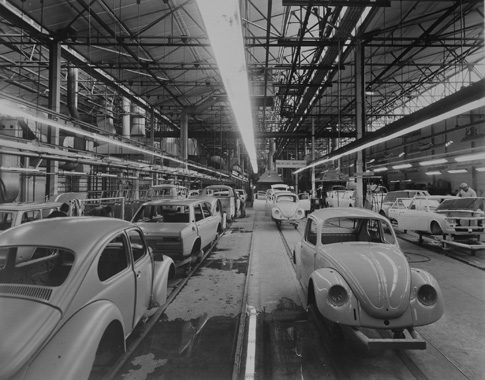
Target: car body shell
284, 207
60, 320
380, 287
178, 228
438, 215
341, 198
168, 191
305, 201
227, 197
14, 214
391, 196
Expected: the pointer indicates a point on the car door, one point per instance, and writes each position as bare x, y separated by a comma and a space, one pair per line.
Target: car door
412, 218
203, 225
309, 250
143, 269
115, 272
212, 220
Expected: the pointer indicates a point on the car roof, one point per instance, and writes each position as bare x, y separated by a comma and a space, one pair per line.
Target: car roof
67, 232
28, 206
175, 202
335, 212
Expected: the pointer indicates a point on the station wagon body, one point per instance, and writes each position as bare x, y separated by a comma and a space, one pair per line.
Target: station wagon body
178, 228
227, 196
354, 272
67, 296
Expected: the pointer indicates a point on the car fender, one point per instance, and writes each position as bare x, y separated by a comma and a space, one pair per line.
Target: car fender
189, 236
70, 353
160, 281
320, 283
423, 314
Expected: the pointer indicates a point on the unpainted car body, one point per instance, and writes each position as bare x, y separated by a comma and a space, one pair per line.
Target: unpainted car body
439, 215
284, 207
168, 191
14, 214
178, 228
305, 202
354, 272
341, 198
391, 196
69, 288
227, 196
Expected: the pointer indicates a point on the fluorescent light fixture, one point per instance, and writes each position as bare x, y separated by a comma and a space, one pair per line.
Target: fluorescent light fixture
106, 175
404, 131
482, 169
405, 180
402, 166
394, 181
371, 161
16, 169
470, 157
7, 109
401, 154
433, 173
71, 173
434, 162
456, 171
223, 25
383, 169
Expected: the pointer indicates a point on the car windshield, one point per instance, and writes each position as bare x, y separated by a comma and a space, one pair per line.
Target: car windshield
6, 219
172, 213
286, 198
350, 229
472, 204
35, 265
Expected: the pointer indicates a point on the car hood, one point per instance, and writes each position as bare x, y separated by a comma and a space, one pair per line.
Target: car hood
288, 210
378, 274
162, 229
25, 326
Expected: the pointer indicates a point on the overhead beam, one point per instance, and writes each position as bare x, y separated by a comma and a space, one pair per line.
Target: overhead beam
257, 135
337, 3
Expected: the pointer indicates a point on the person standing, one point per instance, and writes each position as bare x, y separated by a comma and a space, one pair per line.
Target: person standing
466, 191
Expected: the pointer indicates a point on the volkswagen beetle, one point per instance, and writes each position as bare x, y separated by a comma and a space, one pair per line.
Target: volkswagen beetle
355, 274
71, 292
284, 207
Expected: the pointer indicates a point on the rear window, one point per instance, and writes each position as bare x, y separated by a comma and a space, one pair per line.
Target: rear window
6, 219
35, 265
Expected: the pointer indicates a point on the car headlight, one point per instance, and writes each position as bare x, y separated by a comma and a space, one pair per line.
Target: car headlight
427, 295
337, 295
277, 212
299, 212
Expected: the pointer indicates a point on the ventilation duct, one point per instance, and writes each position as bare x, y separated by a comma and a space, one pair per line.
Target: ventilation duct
137, 121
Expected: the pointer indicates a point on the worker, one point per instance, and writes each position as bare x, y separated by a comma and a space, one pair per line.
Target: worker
466, 191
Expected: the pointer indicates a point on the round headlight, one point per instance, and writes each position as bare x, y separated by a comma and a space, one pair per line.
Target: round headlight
276, 211
427, 295
337, 295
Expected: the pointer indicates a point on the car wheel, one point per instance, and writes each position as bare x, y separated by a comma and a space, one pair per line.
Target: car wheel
435, 229
108, 352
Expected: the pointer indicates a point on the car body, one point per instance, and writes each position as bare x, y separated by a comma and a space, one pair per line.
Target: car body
354, 272
391, 196
305, 202
14, 214
178, 228
439, 215
216, 208
341, 198
285, 208
69, 288
227, 196
168, 191
261, 194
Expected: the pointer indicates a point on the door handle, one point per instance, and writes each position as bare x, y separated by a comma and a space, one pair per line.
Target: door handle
138, 274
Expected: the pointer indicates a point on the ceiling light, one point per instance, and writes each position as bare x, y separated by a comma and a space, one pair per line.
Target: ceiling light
458, 110
482, 169
434, 162
456, 171
223, 25
470, 157
377, 170
433, 173
401, 154
402, 166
